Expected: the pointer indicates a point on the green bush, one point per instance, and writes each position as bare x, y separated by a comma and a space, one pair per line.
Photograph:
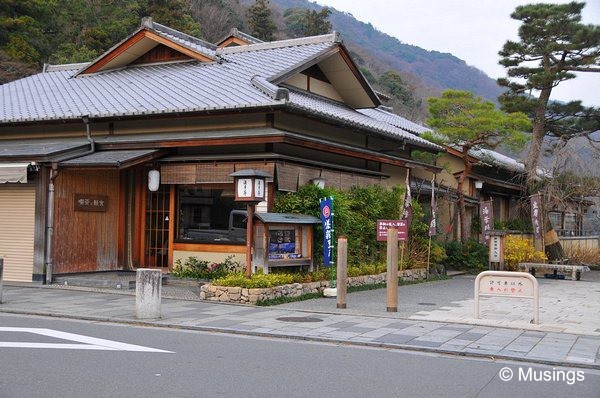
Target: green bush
471, 256
257, 280
195, 268
356, 214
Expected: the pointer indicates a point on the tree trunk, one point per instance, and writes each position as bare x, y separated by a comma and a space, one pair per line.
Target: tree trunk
539, 131
462, 211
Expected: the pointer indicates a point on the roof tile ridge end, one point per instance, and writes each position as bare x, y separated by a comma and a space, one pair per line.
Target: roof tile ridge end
156, 27
270, 89
329, 37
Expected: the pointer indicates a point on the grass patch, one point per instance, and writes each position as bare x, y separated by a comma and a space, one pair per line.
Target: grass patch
351, 289
287, 299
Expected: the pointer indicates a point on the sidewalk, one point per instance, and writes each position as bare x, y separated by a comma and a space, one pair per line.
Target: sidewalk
381, 331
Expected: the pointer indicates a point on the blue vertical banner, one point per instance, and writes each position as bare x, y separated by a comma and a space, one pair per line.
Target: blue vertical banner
326, 205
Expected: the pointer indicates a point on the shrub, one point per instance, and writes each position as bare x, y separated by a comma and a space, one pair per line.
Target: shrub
257, 280
518, 250
195, 268
582, 255
471, 256
356, 214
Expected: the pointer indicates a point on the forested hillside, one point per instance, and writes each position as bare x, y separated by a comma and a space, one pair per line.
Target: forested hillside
34, 32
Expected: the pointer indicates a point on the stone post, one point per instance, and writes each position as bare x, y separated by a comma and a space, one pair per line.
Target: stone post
342, 271
148, 284
391, 279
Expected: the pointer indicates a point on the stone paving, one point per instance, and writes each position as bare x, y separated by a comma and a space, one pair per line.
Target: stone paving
565, 306
451, 338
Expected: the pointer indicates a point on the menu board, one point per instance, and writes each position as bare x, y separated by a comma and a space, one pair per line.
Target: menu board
282, 244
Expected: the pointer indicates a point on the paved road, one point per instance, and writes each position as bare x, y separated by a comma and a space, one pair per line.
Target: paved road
548, 348
216, 365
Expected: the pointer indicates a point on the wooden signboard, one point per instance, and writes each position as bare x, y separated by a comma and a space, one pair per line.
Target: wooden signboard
86, 202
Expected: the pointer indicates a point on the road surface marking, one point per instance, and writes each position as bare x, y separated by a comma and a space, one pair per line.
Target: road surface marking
88, 343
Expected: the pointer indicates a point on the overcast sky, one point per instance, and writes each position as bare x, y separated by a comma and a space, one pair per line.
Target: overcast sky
473, 30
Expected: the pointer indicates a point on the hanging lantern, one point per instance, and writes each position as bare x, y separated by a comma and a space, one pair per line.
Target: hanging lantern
153, 180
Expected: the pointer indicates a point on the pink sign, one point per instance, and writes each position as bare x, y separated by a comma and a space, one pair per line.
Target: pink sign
384, 225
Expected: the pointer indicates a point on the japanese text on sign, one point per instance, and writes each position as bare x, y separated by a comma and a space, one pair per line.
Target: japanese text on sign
84, 202
495, 249
487, 218
384, 225
326, 205
505, 286
536, 219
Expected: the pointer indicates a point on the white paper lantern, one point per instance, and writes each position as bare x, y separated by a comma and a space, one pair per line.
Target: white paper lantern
153, 180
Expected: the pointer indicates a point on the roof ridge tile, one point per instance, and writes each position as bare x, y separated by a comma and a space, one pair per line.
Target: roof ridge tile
330, 37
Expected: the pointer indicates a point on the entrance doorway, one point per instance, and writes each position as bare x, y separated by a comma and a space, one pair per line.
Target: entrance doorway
156, 228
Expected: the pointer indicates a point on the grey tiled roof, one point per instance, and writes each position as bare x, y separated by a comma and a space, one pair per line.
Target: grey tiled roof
394, 120
351, 116
497, 159
241, 35
240, 79
154, 89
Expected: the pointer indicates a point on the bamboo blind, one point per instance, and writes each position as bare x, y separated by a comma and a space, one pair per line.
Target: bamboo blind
182, 173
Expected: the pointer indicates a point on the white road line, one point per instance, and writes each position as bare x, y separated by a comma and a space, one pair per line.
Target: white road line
89, 343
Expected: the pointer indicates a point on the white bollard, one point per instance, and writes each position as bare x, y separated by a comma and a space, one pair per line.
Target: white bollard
148, 284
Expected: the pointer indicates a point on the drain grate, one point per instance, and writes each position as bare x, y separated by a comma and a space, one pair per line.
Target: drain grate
299, 319
427, 304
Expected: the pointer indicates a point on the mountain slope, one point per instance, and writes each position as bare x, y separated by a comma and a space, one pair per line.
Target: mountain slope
435, 69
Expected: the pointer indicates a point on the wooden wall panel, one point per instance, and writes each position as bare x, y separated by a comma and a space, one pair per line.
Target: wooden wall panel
86, 241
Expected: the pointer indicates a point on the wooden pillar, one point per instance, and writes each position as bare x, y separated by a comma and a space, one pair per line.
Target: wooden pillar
342, 271
392, 270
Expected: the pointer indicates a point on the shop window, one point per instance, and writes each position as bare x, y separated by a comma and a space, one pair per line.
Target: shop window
210, 215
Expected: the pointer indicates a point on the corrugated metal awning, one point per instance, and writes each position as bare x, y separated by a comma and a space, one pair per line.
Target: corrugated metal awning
41, 150
13, 172
287, 218
118, 159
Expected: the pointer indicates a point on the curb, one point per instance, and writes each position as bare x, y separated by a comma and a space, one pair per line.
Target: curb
403, 347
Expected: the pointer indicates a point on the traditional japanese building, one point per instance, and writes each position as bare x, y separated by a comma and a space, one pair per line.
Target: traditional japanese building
77, 143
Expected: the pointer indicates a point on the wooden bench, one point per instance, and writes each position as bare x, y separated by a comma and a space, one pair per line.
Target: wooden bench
575, 270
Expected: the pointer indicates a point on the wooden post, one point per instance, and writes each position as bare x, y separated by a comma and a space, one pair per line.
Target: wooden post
392, 270
342, 271
428, 258
249, 226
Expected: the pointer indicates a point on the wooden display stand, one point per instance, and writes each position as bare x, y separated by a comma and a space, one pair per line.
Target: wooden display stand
283, 240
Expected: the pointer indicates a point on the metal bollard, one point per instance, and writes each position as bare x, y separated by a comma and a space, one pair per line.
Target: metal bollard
148, 286
1, 276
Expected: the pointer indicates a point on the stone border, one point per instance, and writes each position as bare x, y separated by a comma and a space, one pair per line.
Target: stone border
240, 295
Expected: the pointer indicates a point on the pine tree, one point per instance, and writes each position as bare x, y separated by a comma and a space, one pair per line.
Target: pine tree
260, 20
466, 122
553, 44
